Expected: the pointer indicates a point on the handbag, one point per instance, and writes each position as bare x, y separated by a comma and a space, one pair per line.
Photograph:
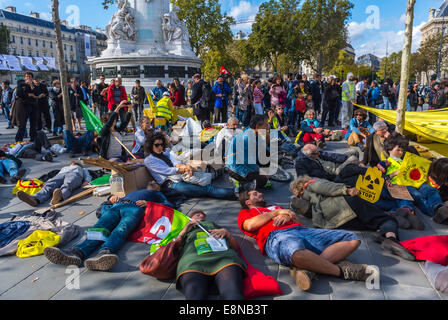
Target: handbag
162, 264
35, 244
199, 178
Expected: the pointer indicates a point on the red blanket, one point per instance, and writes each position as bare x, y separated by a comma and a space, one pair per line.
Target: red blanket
432, 248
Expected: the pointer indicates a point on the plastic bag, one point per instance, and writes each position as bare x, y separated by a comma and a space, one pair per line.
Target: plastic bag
30, 187
35, 244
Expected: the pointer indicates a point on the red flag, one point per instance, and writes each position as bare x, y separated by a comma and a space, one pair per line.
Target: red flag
224, 71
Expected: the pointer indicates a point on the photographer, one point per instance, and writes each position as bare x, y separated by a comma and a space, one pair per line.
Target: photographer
222, 92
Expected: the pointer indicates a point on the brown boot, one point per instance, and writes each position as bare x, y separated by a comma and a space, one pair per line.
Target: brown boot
302, 278
27, 198
57, 196
353, 271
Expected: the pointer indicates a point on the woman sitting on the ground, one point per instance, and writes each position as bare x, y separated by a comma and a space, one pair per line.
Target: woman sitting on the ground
111, 149
312, 131
201, 263
358, 130
144, 130
167, 172
336, 206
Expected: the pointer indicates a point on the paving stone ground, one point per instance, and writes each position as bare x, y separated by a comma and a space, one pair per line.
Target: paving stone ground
37, 279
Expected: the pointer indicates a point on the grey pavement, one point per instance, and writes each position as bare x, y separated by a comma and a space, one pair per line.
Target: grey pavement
36, 278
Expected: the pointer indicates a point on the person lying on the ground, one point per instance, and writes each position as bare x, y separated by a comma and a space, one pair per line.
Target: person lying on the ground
10, 165
78, 143
312, 132
60, 187
334, 206
426, 198
32, 150
119, 221
168, 171
324, 165
110, 148
144, 130
358, 130
201, 264
243, 165
225, 137
307, 251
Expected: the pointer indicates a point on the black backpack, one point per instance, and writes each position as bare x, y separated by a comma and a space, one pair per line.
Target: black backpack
385, 90
208, 96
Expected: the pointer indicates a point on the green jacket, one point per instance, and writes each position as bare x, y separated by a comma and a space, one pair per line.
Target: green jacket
330, 210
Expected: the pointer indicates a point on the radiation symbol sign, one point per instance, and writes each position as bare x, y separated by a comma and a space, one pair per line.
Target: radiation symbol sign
413, 171
370, 185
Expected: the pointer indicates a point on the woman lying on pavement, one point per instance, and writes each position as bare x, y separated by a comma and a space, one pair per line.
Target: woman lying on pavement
203, 261
334, 206
119, 220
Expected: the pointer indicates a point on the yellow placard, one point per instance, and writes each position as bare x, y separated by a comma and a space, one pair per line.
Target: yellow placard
413, 171
370, 185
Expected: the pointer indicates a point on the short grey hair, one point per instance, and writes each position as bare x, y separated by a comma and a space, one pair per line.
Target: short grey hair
232, 119
379, 125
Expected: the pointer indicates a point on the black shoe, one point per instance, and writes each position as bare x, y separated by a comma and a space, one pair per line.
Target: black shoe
71, 257
441, 214
394, 247
415, 222
10, 127
48, 157
403, 223
2, 180
18, 176
103, 261
53, 154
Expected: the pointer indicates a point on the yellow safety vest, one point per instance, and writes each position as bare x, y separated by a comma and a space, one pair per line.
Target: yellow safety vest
164, 107
394, 165
351, 89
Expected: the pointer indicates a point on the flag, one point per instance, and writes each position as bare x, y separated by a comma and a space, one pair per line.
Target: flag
159, 226
151, 102
413, 171
225, 71
93, 123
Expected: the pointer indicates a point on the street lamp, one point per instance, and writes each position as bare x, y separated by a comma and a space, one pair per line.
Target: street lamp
441, 46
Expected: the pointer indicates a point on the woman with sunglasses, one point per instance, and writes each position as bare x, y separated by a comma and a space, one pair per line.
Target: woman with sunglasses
167, 171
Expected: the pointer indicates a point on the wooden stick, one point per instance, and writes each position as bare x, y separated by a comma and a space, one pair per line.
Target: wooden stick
135, 158
68, 201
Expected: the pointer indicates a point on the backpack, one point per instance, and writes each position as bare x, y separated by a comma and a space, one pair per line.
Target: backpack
208, 96
385, 91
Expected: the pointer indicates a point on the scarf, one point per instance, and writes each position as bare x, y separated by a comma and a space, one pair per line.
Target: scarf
164, 158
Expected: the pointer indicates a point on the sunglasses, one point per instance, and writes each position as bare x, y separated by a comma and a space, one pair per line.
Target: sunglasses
158, 145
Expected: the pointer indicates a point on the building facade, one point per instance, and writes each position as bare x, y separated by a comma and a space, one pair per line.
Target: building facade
369, 60
31, 36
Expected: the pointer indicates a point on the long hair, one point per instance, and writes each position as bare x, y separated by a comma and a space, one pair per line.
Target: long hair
297, 186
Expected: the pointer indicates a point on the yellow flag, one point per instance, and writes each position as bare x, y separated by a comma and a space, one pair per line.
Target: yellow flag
413, 171
151, 102
370, 185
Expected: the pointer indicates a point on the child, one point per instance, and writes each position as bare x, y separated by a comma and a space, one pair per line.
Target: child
426, 197
309, 102
300, 104
258, 98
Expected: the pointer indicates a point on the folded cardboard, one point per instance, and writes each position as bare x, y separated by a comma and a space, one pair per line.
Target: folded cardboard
123, 184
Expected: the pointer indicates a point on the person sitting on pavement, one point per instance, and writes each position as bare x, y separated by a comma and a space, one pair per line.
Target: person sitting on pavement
78, 143
10, 164
243, 166
335, 206
283, 238
110, 148
311, 130
438, 177
144, 130
374, 151
60, 187
426, 197
32, 150
168, 171
199, 266
323, 165
119, 221
358, 130
225, 137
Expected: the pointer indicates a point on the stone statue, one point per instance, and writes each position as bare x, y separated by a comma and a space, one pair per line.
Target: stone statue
174, 30
122, 24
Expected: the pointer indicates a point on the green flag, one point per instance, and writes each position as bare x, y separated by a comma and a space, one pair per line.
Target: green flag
93, 123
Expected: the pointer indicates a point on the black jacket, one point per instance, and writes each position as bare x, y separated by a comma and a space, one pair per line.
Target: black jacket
105, 132
308, 166
196, 93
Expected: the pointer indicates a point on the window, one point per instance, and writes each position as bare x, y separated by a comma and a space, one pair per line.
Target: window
43, 43
37, 53
52, 55
37, 43
23, 52
14, 51
65, 46
21, 40
30, 53
29, 41
51, 45
13, 39
71, 48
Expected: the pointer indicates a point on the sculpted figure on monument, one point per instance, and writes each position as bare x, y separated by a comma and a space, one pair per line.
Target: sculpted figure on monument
174, 30
122, 24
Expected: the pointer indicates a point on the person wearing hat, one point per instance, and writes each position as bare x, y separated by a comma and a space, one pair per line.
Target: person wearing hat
138, 95
348, 98
164, 110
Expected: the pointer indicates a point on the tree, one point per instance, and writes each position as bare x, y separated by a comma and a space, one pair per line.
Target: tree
343, 65
62, 65
393, 67
405, 66
426, 58
323, 29
4, 39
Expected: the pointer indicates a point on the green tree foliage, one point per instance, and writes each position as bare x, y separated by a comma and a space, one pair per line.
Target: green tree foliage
393, 67
4, 39
322, 24
426, 58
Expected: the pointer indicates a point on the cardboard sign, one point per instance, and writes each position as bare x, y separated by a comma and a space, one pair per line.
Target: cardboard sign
399, 192
413, 171
370, 185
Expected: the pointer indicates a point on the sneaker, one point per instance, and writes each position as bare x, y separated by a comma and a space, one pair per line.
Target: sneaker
394, 247
48, 157
236, 185
441, 214
71, 257
53, 154
18, 176
27, 198
250, 186
353, 271
414, 221
302, 278
10, 127
267, 186
57, 196
103, 261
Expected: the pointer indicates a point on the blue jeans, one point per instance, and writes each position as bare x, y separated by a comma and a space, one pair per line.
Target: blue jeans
426, 198
194, 191
6, 111
120, 219
77, 145
281, 244
9, 166
387, 105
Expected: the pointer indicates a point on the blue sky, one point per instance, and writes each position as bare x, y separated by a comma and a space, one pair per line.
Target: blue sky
372, 25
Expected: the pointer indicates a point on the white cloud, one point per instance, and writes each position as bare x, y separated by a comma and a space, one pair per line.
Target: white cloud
244, 10
357, 30
46, 16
